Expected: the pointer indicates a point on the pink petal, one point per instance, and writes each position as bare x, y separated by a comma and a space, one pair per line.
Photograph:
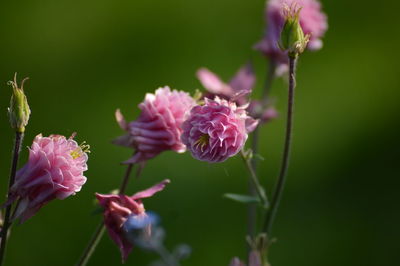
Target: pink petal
150, 191
121, 120
244, 79
212, 82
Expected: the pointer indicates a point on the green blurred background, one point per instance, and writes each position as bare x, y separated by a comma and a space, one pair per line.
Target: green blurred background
87, 58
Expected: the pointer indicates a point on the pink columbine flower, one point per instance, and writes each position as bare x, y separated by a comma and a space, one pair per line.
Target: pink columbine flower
312, 20
54, 171
119, 208
236, 90
216, 130
158, 127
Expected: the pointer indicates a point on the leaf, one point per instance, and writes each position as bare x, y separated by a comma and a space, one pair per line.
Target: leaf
242, 198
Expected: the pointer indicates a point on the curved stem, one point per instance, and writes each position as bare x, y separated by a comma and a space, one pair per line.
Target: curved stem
94, 241
276, 197
254, 179
98, 234
7, 224
252, 208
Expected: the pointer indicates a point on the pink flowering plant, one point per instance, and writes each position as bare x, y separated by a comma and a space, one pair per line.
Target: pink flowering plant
159, 126
54, 170
213, 126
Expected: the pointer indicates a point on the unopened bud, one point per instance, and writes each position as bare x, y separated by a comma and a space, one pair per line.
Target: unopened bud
18, 111
293, 39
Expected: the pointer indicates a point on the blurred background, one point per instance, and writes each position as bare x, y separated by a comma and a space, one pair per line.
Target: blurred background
87, 58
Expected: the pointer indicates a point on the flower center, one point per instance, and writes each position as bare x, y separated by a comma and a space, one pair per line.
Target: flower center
78, 152
202, 141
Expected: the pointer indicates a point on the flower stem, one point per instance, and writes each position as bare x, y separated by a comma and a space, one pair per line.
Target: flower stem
7, 223
254, 179
277, 194
268, 81
252, 208
98, 234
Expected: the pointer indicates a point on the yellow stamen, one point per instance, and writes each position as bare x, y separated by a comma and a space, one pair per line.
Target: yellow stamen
78, 152
202, 141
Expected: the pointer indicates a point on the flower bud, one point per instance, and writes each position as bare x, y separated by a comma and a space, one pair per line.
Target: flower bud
292, 36
19, 109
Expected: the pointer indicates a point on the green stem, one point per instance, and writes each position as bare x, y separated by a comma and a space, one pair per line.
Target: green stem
7, 223
252, 208
278, 190
98, 234
254, 179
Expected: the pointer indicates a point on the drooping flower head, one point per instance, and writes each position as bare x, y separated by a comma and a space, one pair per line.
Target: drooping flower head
158, 127
312, 20
54, 171
216, 130
123, 213
236, 90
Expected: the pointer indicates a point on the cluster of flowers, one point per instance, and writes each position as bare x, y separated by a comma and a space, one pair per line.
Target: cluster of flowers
213, 128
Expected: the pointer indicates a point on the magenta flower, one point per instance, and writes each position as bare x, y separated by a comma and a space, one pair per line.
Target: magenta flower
119, 208
54, 171
216, 130
312, 20
236, 90
158, 127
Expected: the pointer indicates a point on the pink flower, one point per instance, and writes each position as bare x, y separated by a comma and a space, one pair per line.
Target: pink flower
312, 20
236, 90
216, 130
119, 208
54, 171
158, 127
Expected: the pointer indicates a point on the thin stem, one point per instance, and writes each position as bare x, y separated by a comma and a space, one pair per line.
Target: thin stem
98, 234
254, 179
94, 241
125, 180
252, 208
276, 196
7, 223
268, 81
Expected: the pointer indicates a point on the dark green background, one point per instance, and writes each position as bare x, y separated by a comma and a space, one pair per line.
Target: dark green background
87, 58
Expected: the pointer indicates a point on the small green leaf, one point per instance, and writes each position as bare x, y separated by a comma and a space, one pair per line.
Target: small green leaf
242, 198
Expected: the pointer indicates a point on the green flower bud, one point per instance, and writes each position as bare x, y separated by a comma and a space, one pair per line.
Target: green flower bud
293, 39
18, 111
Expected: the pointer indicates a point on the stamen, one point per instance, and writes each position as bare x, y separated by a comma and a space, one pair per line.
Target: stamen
78, 152
202, 141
